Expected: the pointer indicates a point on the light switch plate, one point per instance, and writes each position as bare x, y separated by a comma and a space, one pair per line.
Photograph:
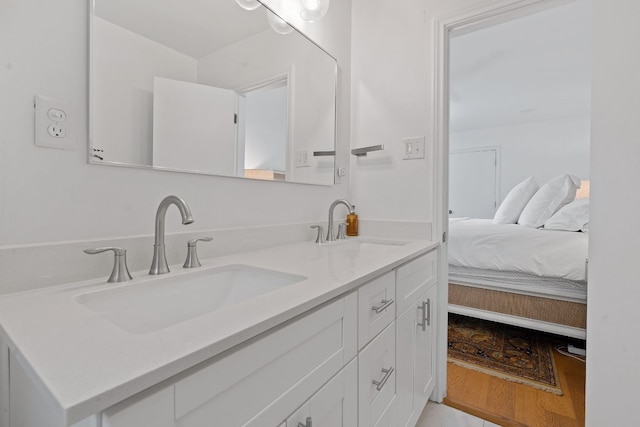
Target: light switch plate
54, 124
413, 148
302, 159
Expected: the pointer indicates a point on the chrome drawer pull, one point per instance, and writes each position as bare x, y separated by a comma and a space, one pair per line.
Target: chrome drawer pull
385, 303
379, 384
425, 307
307, 424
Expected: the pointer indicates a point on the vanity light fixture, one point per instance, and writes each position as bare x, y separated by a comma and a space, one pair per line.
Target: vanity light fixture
278, 24
314, 10
248, 4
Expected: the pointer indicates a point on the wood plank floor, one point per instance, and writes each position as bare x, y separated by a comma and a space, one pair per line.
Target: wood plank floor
510, 404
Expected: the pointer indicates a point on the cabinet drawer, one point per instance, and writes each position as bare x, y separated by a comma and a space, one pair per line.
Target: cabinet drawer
335, 404
376, 377
388, 417
142, 410
237, 387
414, 279
376, 307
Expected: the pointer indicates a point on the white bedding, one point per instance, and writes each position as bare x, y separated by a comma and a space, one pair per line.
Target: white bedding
479, 243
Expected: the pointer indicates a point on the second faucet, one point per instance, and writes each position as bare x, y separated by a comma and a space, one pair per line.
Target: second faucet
330, 236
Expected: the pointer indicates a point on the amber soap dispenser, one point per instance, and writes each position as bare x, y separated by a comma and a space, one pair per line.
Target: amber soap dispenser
352, 222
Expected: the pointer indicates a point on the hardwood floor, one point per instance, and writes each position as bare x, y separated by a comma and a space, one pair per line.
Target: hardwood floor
510, 404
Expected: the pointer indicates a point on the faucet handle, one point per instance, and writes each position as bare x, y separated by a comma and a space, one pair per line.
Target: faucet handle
342, 227
192, 260
193, 242
120, 272
320, 237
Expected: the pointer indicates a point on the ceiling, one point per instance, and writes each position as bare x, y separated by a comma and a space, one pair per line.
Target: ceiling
193, 27
533, 68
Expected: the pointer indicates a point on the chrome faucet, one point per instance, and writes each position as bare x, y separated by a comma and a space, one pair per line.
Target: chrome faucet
330, 236
159, 263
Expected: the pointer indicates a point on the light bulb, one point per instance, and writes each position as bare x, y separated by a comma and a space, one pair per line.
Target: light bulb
248, 4
278, 24
314, 10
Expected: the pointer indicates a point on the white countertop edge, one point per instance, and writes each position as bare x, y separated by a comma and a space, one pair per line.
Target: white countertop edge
74, 410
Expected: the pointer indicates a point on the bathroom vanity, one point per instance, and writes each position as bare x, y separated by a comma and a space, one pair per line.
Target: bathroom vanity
339, 334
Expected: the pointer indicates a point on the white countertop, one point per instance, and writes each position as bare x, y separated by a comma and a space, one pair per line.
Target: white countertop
87, 364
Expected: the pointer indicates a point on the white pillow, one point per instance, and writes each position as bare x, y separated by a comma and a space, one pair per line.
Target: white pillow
572, 217
548, 199
512, 205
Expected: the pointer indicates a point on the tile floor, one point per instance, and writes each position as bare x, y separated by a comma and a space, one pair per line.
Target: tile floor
438, 415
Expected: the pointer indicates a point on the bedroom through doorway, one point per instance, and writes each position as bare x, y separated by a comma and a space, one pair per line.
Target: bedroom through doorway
519, 96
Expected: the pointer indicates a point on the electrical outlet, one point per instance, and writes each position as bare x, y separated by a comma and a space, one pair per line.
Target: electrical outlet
413, 148
53, 124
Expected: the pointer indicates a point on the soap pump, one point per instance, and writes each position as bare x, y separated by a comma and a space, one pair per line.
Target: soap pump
352, 222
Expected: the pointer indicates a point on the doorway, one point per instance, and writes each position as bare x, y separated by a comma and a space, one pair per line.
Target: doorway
465, 23
263, 130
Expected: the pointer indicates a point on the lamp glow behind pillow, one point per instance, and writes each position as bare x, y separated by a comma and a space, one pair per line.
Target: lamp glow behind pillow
512, 205
548, 200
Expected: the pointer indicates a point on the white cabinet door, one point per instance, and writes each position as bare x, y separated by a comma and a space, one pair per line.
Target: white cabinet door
426, 351
415, 358
414, 278
334, 405
406, 334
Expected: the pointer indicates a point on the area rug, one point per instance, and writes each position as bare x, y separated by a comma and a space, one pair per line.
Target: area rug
514, 354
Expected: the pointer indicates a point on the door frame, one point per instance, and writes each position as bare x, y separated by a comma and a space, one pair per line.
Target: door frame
276, 81
461, 22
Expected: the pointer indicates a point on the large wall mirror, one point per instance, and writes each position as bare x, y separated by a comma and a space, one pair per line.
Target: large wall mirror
206, 86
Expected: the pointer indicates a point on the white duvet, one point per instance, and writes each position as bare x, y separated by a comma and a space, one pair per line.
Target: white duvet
479, 243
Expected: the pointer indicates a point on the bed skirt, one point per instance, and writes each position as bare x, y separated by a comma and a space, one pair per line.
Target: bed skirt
549, 310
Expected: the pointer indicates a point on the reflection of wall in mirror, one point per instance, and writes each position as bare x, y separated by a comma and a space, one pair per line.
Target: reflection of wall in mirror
312, 94
123, 96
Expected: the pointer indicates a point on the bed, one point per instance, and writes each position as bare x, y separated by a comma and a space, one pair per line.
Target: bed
519, 275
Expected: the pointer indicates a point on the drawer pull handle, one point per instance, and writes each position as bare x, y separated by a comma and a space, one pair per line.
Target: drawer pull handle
306, 424
380, 384
384, 304
425, 307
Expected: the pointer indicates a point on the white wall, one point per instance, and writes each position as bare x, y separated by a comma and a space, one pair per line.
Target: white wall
613, 352
52, 195
544, 149
123, 98
391, 99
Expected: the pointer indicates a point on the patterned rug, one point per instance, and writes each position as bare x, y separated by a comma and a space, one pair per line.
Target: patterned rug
515, 354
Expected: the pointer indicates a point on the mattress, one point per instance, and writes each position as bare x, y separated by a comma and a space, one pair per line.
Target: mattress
480, 244
522, 283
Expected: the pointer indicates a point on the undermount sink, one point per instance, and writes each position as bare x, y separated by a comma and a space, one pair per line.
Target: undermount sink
378, 245
370, 245
159, 303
